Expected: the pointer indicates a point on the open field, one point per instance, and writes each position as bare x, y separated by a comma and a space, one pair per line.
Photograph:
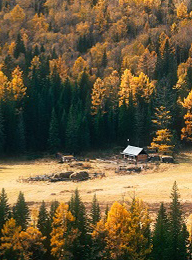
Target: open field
152, 185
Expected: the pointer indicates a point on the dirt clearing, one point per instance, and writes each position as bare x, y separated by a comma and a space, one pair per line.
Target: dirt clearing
152, 185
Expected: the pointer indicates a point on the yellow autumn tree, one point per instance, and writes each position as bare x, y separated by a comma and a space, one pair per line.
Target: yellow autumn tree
182, 11
3, 84
183, 85
39, 23
17, 14
112, 88
147, 63
102, 15
16, 89
63, 234
138, 237
142, 88
79, 66
117, 227
186, 132
98, 96
61, 67
163, 141
10, 245
125, 87
31, 244
162, 117
125, 234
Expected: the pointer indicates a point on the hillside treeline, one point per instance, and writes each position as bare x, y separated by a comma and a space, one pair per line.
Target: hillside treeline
77, 74
69, 231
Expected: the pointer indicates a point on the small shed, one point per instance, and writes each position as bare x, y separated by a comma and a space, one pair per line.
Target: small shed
135, 153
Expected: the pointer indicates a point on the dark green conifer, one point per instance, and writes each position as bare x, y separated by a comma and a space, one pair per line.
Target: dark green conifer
4, 209
44, 225
161, 235
95, 211
21, 212
53, 208
104, 59
72, 130
177, 237
82, 242
54, 141
20, 47
20, 133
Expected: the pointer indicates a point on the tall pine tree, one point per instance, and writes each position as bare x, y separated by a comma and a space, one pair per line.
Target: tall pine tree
21, 212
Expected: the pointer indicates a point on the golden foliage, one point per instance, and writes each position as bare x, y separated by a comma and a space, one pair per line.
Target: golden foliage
182, 11
17, 14
162, 116
10, 237
11, 48
123, 233
125, 87
16, 89
35, 63
79, 66
39, 23
163, 141
142, 88
3, 84
61, 67
31, 242
187, 130
98, 96
62, 235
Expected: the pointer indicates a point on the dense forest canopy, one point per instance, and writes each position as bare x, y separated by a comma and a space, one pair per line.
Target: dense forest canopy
77, 74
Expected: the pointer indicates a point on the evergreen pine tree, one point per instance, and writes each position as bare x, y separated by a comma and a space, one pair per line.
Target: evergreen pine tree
81, 243
44, 225
104, 59
72, 130
21, 212
123, 123
95, 211
177, 236
20, 47
160, 236
4, 209
20, 134
53, 208
54, 141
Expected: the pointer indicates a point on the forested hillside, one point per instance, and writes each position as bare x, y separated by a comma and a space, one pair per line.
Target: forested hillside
79, 74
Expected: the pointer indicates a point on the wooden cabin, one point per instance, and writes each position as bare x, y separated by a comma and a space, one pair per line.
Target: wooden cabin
136, 154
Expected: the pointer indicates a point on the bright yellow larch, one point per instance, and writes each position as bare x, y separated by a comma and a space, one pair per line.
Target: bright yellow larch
125, 87
62, 237
182, 11
10, 237
17, 14
3, 84
16, 89
31, 242
142, 88
186, 132
98, 96
163, 141
39, 23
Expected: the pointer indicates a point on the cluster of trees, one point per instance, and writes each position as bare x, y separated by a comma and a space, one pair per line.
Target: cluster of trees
89, 73
67, 231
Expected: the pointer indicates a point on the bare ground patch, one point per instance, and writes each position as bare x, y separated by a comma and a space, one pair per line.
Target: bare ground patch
153, 184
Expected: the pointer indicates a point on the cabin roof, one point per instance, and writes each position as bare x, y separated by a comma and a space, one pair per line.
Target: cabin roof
132, 150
